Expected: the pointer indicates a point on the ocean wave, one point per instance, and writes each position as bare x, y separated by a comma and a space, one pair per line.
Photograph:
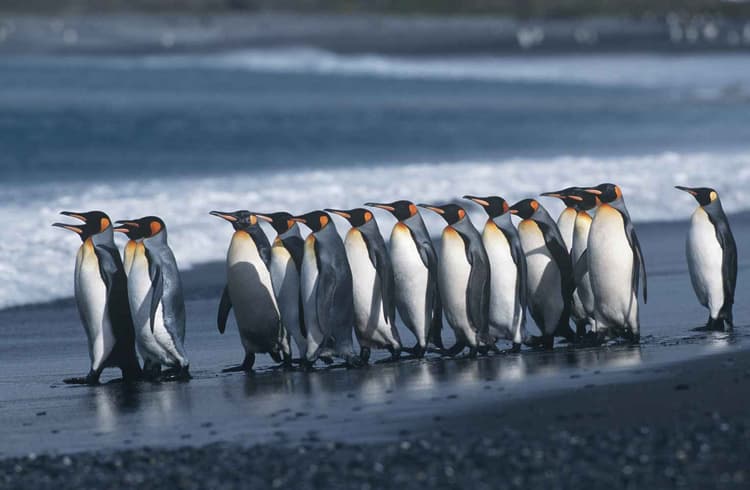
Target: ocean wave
37, 260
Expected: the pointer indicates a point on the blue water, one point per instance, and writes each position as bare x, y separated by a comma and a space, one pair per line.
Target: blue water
298, 129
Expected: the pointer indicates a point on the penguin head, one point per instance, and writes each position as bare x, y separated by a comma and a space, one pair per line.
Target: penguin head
451, 213
356, 217
145, 227
315, 220
241, 220
606, 193
400, 209
704, 195
584, 200
281, 221
525, 209
494, 205
94, 222
566, 195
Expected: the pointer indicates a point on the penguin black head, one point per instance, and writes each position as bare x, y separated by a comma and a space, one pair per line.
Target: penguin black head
145, 227
494, 205
241, 220
525, 209
606, 193
584, 200
356, 217
281, 221
400, 209
451, 213
94, 222
315, 220
704, 195
566, 195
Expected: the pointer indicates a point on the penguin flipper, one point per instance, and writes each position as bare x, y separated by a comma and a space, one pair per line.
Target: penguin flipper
558, 249
639, 265
729, 260
519, 258
581, 267
157, 287
224, 306
382, 263
478, 290
324, 299
429, 259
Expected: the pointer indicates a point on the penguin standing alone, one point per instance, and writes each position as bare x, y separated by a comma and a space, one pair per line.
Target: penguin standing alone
549, 271
156, 300
326, 285
567, 219
507, 316
464, 275
101, 293
712, 258
415, 275
249, 291
286, 264
372, 276
616, 265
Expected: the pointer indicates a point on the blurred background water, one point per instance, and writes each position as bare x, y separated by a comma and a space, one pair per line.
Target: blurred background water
178, 113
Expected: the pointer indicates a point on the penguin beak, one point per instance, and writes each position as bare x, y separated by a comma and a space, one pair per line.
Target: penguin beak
477, 200
686, 189
381, 206
432, 208
553, 194
226, 216
595, 192
299, 219
121, 230
513, 209
343, 214
73, 228
73, 214
265, 218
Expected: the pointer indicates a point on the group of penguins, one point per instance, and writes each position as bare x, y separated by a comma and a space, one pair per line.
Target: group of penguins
315, 291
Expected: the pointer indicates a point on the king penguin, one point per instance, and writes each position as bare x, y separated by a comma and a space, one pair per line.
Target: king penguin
249, 291
156, 299
567, 219
549, 272
372, 277
415, 272
101, 293
507, 316
286, 263
616, 265
327, 291
464, 280
712, 257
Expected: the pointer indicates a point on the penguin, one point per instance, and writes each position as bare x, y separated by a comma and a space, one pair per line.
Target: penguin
372, 277
327, 291
549, 272
101, 293
156, 299
567, 219
616, 265
464, 280
286, 263
250, 292
415, 273
712, 258
574, 223
508, 289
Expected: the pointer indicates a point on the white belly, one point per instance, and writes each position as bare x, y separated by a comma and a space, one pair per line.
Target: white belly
410, 283
583, 297
543, 278
611, 271
503, 282
566, 224
309, 287
454, 270
91, 297
286, 286
705, 257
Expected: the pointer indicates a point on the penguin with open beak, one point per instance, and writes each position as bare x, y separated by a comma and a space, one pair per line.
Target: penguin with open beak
101, 293
549, 272
507, 316
616, 265
566, 220
250, 292
286, 265
372, 277
415, 275
712, 257
156, 300
327, 291
464, 280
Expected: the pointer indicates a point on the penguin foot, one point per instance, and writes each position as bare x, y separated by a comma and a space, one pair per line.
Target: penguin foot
515, 349
354, 362
418, 351
327, 360
246, 366
364, 355
455, 350
83, 380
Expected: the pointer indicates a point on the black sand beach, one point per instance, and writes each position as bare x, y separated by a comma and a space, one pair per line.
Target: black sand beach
670, 412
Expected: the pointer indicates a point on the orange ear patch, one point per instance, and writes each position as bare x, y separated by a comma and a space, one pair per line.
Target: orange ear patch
618, 192
368, 216
289, 224
104, 224
155, 227
323, 221
505, 207
461, 214
412, 210
253, 220
534, 205
713, 196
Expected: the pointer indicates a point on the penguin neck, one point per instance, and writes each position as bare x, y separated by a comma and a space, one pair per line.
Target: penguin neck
292, 232
502, 221
106, 237
415, 222
158, 240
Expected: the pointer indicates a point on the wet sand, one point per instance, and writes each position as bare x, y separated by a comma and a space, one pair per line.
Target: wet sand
677, 383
